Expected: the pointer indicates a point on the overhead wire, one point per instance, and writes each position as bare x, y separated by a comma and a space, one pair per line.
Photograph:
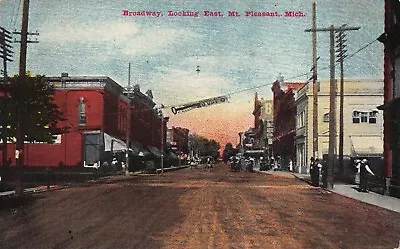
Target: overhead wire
304, 74
289, 78
15, 15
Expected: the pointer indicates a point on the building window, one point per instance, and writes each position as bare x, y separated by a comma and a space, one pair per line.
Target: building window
356, 117
326, 118
364, 117
82, 111
300, 119
372, 117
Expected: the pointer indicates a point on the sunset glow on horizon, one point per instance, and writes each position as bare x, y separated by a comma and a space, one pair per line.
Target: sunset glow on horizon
220, 122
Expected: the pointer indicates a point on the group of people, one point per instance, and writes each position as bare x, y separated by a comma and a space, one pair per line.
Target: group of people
361, 177
242, 163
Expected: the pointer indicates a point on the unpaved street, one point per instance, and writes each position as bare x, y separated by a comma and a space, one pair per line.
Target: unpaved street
195, 208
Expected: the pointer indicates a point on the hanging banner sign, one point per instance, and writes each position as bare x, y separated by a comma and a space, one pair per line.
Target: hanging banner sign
199, 104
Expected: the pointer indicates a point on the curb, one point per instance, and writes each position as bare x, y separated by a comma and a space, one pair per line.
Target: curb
30, 191
158, 171
303, 179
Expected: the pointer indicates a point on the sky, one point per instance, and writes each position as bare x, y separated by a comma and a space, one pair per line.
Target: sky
236, 55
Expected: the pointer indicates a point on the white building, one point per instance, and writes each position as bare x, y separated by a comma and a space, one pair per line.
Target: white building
362, 121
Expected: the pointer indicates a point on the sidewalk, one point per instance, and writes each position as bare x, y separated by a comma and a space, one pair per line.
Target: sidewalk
43, 188
348, 190
37, 189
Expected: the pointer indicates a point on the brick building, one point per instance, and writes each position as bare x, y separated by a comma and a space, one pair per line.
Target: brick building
391, 40
284, 106
178, 140
96, 110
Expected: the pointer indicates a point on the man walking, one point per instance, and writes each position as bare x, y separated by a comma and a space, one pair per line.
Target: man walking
364, 170
314, 173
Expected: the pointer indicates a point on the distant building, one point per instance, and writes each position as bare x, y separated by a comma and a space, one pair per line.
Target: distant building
249, 139
263, 124
284, 119
363, 122
178, 140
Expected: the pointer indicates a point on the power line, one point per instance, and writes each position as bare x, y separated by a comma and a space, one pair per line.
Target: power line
15, 15
304, 74
290, 78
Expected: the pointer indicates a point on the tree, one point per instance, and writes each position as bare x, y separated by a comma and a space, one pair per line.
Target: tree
39, 114
228, 152
205, 146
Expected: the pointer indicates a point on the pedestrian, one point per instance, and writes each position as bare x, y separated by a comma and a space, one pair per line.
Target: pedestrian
357, 164
364, 170
290, 165
320, 174
312, 160
114, 164
272, 163
315, 171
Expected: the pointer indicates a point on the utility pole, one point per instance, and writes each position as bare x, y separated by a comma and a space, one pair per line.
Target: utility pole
162, 139
341, 56
5, 53
328, 179
19, 153
5, 50
20, 136
128, 118
315, 82
332, 115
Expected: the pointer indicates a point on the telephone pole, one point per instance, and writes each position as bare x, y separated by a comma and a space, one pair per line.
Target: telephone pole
341, 54
328, 178
162, 138
5, 54
129, 120
20, 136
315, 82
332, 115
5, 50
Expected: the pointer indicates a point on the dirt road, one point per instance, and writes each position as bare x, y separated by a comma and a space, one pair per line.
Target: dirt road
195, 208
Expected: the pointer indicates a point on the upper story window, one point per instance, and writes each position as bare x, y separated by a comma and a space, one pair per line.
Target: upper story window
81, 111
372, 117
326, 117
301, 119
364, 117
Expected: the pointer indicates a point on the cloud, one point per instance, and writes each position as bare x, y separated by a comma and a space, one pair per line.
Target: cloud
182, 86
67, 33
157, 40
130, 38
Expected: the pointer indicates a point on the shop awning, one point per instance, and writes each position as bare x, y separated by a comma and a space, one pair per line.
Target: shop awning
366, 146
113, 144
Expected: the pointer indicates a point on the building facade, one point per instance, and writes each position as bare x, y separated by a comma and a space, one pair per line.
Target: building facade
362, 121
284, 118
178, 140
101, 117
391, 40
263, 124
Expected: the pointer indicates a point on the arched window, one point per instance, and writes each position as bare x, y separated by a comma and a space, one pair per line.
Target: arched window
81, 111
